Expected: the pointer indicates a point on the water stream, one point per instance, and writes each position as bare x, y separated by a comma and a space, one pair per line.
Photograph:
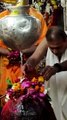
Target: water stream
21, 61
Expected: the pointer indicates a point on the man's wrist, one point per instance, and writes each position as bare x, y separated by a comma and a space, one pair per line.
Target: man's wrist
58, 67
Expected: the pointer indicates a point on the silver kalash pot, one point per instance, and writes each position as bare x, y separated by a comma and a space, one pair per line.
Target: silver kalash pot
19, 30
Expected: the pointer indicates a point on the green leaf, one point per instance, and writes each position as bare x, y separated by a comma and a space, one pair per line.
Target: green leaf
9, 81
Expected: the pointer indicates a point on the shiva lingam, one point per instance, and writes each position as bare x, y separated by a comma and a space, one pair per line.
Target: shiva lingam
19, 30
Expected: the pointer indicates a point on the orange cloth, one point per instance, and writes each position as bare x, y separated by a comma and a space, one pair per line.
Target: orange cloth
4, 13
44, 27
14, 72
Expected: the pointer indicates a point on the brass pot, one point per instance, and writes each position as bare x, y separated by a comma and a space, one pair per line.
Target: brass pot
19, 30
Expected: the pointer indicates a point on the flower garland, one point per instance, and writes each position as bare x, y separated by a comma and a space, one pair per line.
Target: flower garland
14, 57
23, 88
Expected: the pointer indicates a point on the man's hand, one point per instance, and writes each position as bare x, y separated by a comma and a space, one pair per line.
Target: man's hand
4, 51
27, 69
48, 71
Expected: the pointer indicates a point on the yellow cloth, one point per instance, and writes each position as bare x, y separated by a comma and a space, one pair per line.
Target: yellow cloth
9, 1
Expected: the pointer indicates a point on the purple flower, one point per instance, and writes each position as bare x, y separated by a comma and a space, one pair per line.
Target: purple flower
25, 84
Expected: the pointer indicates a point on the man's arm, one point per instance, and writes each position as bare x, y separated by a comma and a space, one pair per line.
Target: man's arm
49, 71
29, 50
63, 66
35, 58
4, 51
39, 53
